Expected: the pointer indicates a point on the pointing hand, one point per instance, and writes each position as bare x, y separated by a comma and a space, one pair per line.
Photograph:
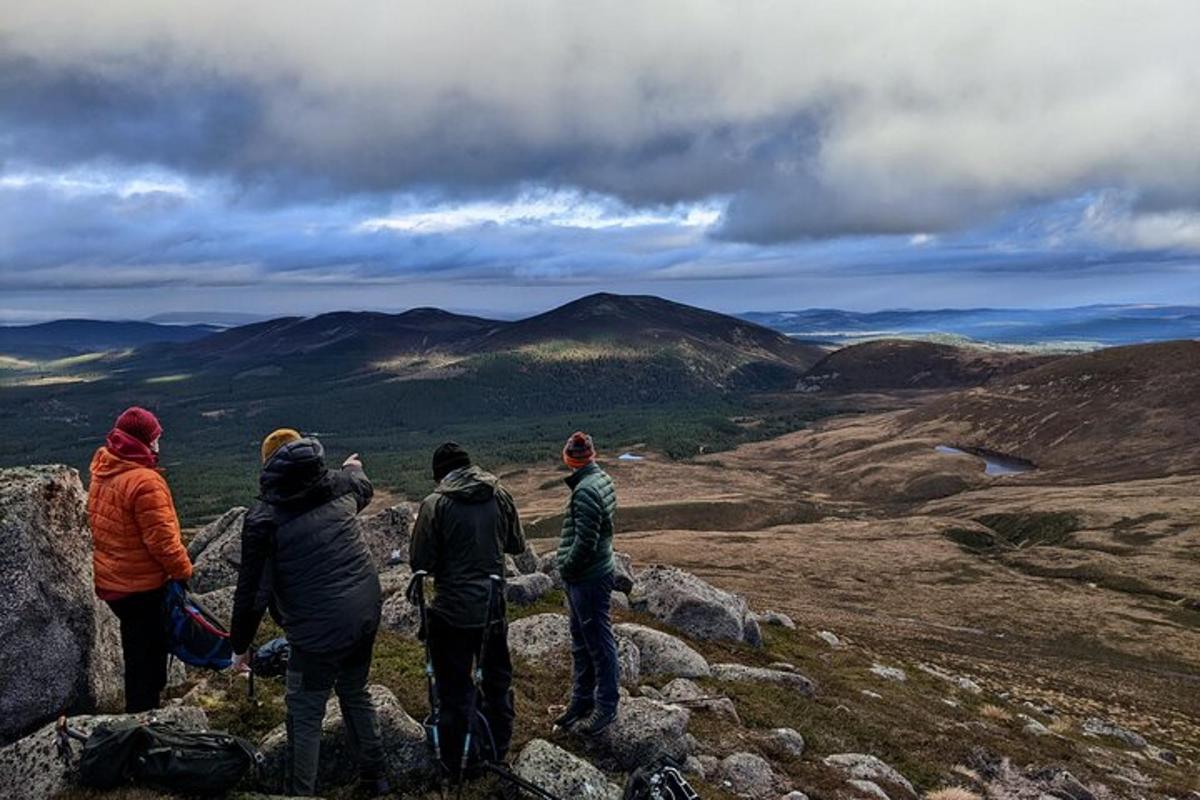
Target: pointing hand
352, 461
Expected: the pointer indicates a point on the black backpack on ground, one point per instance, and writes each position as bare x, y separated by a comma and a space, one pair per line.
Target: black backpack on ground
662, 780
165, 756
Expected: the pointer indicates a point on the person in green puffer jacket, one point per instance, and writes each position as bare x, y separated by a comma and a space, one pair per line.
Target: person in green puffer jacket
585, 561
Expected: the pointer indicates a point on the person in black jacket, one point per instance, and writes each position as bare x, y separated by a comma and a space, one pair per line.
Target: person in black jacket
303, 535
460, 537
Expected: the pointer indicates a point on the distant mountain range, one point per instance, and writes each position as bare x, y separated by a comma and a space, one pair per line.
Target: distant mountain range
69, 337
1095, 326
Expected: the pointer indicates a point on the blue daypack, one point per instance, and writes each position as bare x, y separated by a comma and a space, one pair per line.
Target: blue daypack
196, 637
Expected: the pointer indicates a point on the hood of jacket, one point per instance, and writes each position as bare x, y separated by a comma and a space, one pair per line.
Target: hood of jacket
469, 485
106, 464
293, 472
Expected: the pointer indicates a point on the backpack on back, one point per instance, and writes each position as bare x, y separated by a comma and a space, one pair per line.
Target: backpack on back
196, 637
165, 756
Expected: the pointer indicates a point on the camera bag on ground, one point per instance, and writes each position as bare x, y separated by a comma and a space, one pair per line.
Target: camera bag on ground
660, 781
161, 755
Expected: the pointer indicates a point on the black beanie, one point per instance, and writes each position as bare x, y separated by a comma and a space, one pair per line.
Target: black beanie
448, 458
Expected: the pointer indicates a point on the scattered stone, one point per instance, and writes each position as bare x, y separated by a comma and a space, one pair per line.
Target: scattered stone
31, 767
651, 692
527, 560
620, 600
872, 695
740, 672
548, 565
750, 776
869, 788
788, 740
752, 633
889, 673
710, 764
563, 774
776, 618
682, 690
643, 729
695, 607
1093, 726
869, 768
1165, 756
408, 758
794, 795
622, 572
1059, 782
694, 767
1033, 727
664, 654
218, 552
525, 590
966, 684
829, 638
783, 665
62, 646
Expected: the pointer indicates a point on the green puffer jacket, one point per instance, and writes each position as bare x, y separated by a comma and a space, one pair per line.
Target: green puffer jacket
585, 549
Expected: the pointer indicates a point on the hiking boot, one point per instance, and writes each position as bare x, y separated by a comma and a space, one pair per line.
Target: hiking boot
574, 713
597, 722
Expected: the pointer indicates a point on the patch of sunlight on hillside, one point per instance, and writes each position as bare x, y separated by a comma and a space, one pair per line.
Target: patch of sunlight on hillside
565, 350
85, 358
14, 363
176, 378
50, 380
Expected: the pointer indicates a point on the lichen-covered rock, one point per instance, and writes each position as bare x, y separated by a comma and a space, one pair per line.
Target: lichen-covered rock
860, 766
889, 673
527, 560
622, 572
664, 654
563, 774
219, 602
788, 740
30, 768
388, 534
776, 618
525, 590
742, 673
409, 761
548, 565
748, 775
546, 638
643, 729
59, 645
620, 601
685, 691
966, 684
218, 548
695, 607
1093, 726
400, 615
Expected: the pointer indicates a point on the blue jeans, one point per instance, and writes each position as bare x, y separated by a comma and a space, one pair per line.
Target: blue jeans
593, 648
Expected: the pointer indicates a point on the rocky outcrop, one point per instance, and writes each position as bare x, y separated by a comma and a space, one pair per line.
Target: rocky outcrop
216, 552
388, 534
695, 607
400, 615
61, 646
408, 758
644, 728
527, 561
219, 602
525, 590
30, 769
563, 774
547, 638
742, 673
788, 741
664, 654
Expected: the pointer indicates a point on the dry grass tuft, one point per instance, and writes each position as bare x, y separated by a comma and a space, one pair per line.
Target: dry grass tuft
953, 793
996, 713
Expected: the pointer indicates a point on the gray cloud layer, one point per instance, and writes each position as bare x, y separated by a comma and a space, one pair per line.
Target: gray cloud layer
813, 119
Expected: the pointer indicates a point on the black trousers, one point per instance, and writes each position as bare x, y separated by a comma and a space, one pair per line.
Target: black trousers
453, 651
145, 647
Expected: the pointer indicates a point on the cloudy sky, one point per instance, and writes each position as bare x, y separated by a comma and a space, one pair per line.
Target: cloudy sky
505, 156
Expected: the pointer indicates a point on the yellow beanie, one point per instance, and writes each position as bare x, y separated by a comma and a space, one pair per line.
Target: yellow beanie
276, 440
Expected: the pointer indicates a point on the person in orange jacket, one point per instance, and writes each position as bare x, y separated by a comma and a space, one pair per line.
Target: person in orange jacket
136, 549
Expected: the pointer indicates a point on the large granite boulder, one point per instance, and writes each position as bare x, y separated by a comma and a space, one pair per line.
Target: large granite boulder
546, 638
59, 646
219, 602
30, 768
563, 774
643, 730
400, 615
408, 758
695, 607
864, 767
664, 654
216, 552
388, 534
548, 565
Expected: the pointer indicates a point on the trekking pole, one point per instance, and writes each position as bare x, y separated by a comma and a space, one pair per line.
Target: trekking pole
516, 780
477, 675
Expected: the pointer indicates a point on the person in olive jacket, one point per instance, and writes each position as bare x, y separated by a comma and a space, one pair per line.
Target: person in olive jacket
462, 532
585, 561
303, 537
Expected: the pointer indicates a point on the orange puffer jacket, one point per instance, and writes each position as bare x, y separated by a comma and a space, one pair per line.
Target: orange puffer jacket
135, 531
